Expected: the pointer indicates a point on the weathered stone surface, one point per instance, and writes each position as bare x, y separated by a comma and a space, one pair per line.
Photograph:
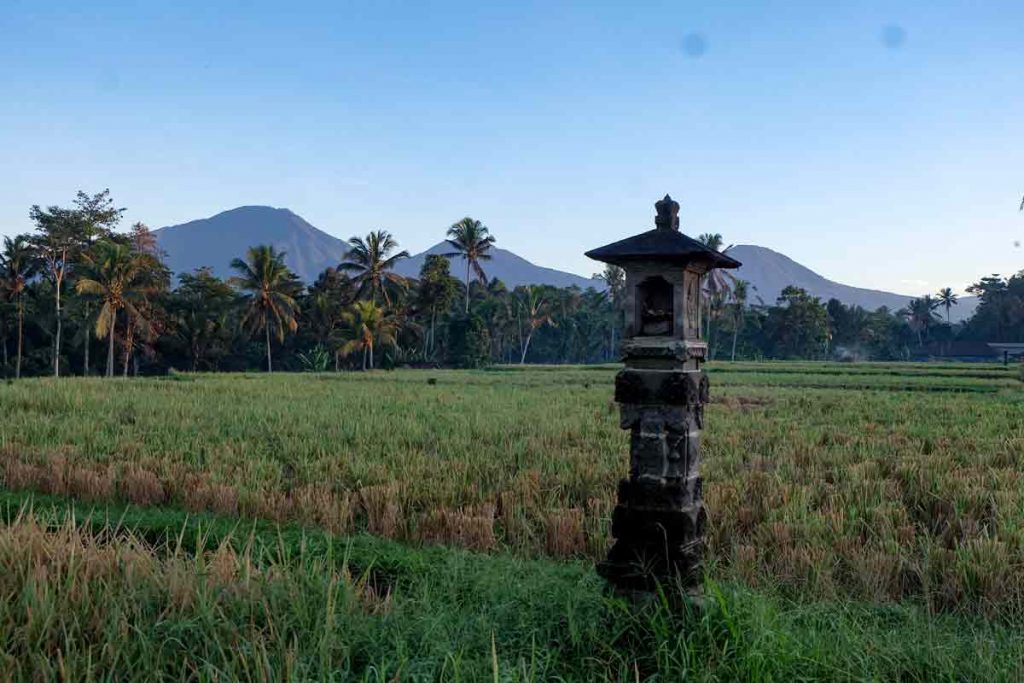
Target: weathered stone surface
659, 522
678, 350
659, 526
660, 387
642, 494
641, 567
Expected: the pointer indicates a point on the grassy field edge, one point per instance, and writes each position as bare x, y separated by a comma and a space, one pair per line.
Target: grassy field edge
455, 613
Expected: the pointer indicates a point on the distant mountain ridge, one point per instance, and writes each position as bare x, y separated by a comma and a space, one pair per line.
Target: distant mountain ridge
770, 272
215, 241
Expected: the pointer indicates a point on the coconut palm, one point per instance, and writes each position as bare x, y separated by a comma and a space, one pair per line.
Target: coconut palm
947, 299
116, 276
920, 315
717, 285
372, 262
536, 313
271, 288
739, 301
17, 265
365, 325
614, 278
711, 240
143, 319
471, 240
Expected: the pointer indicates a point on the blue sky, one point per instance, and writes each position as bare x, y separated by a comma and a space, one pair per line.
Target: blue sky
880, 143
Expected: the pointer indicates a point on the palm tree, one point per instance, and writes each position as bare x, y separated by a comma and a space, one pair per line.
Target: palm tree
113, 273
717, 285
271, 288
739, 300
17, 265
365, 325
711, 240
471, 240
153, 278
371, 260
537, 312
920, 314
947, 299
615, 279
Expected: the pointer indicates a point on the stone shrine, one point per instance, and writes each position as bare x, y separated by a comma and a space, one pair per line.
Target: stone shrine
659, 521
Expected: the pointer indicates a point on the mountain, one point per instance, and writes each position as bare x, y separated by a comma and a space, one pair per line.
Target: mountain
215, 241
511, 269
770, 272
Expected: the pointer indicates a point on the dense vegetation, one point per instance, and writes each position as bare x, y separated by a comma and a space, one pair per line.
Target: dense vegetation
865, 523
78, 296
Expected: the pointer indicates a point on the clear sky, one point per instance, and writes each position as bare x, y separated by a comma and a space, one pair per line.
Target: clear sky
880, 143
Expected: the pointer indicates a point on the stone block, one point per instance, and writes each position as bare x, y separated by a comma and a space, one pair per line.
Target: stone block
660, 387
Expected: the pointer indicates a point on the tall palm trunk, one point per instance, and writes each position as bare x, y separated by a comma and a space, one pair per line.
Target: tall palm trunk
21, 336
433, 328
736, 329
129, 341
56, 338
266, 327
467, 284
110, 349
85, 346
526, 347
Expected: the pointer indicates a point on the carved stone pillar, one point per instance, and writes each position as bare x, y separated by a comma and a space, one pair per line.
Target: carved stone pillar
659, 520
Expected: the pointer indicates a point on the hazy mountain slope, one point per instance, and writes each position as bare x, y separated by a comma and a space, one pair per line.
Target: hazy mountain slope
770, 272
511, 269
215, 241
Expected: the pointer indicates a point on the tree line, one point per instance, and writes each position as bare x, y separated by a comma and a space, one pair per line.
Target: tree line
78, 295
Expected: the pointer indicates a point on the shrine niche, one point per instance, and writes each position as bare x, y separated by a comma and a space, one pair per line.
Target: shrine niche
655, 298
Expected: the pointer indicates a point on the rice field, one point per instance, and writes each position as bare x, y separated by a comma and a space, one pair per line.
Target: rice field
863, 486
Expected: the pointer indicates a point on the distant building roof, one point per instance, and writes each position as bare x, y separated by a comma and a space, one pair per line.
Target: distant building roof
974, 349
664, 243
1012, 347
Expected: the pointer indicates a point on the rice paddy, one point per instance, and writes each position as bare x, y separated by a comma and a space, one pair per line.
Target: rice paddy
830, 487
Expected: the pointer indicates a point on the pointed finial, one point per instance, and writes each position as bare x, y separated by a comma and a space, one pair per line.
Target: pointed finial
668, 214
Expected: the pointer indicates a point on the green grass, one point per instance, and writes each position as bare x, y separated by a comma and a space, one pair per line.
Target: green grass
213, 598
867, 521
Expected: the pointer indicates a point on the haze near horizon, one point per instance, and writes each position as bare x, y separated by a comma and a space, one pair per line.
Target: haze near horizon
877, 144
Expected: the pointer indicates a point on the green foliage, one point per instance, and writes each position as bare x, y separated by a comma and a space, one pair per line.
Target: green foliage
468, 342
1000, 313
472, 241
271, 291
372, 260
46, 325
317, 359
798, 326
